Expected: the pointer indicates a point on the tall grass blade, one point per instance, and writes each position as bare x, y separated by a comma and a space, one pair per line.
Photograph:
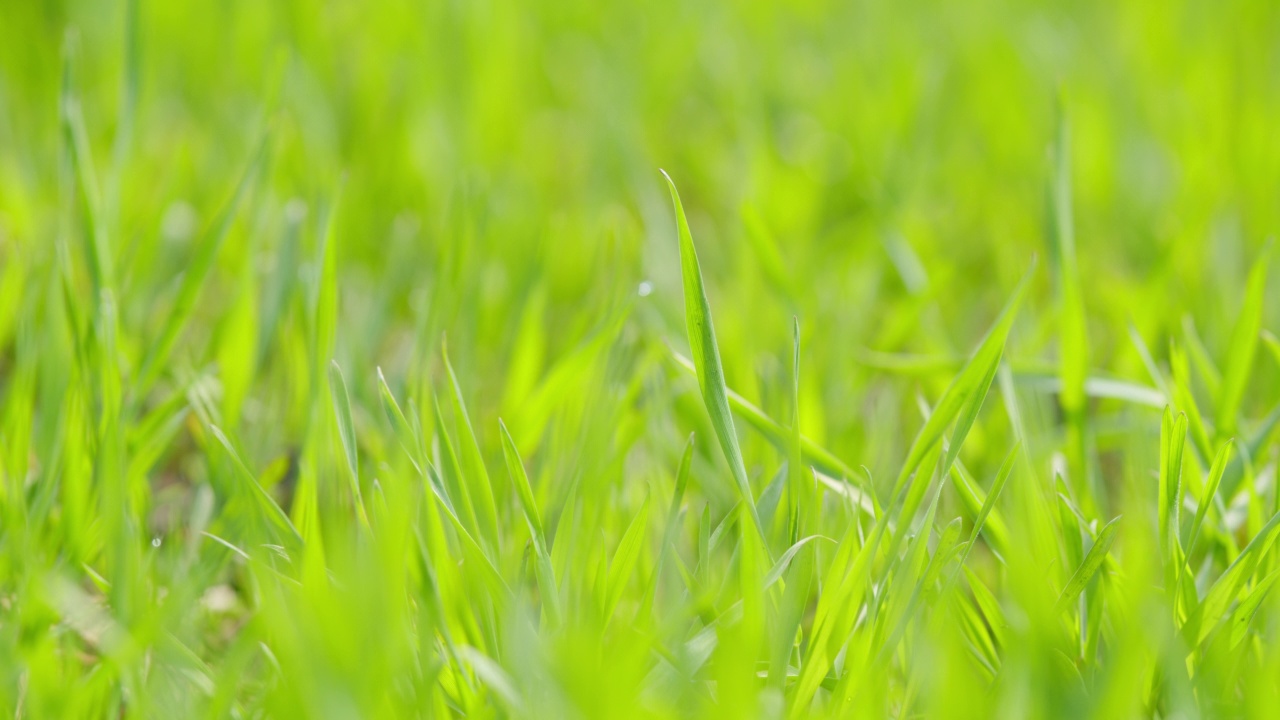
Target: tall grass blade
1243, 347
347, 433
706, 359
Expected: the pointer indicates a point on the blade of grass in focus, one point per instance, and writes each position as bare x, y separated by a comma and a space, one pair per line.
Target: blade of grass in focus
706, 359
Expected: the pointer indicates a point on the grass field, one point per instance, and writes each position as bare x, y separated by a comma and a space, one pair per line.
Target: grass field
357, 359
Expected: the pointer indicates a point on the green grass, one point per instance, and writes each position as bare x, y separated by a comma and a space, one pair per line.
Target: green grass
358, 360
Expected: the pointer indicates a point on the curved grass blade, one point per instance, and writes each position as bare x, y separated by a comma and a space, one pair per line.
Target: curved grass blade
790, 614
989, 605
491, 577
706, 359
529, 506
457, 494
989, 504
1089, 566
623, 565
784, 560
347, 432
1248, 608
262, 498
1244, 344
844, 585
776, 433
1173, 438
1185, 401
921, 580
963, 398
986, 517
476, 475
1210, 491
1225, 589
904, 584
404, 433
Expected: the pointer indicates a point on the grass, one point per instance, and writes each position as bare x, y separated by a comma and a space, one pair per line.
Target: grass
357, 360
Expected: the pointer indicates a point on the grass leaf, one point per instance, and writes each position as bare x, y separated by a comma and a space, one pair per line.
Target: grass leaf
476, 476
706, 359
1244, 344
529, 506
347, 433
963, 398
622, 566
1094, 560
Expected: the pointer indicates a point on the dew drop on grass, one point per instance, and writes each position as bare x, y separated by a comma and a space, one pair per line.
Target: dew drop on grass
646, 289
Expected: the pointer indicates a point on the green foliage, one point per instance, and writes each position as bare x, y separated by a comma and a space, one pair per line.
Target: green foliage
243, 475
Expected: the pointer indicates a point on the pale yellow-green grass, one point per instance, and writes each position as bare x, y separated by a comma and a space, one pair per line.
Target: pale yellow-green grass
638, 359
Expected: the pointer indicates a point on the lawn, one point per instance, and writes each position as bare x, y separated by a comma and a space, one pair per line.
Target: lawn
831, 358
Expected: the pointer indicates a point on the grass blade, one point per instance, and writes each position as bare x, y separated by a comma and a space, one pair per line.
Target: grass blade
706, 360
1210, 492
1225, 589
989, 504
795, 460
399, 423
778, 434
1244, 344
1244, 613
1073, 336
1089, 567
623, 564
347, 433
963, 398
261, 497
529, 506
476, 476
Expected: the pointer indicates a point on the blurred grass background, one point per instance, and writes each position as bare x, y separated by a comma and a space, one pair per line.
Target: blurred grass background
882, 171
896, 154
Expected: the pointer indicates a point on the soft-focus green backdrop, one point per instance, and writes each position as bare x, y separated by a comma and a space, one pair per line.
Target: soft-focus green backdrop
881, 171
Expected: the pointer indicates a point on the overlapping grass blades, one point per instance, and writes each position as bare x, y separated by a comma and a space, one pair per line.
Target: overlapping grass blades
706, 359
242, 475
